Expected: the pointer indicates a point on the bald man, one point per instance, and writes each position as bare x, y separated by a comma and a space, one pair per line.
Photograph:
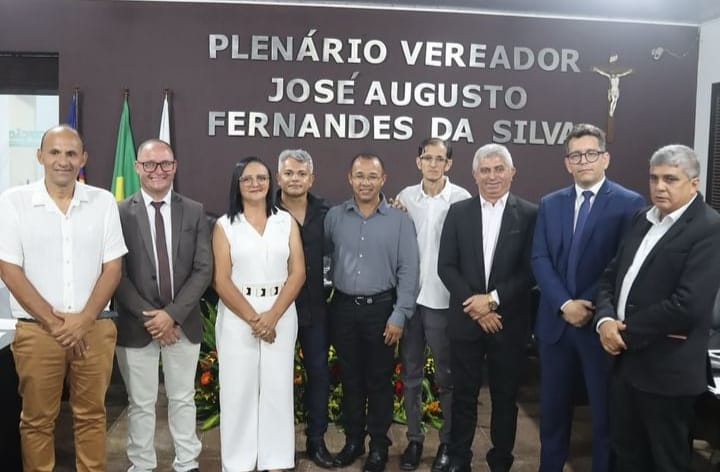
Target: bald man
60, 257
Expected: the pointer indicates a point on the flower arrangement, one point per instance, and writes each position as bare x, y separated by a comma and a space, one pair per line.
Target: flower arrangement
207, 388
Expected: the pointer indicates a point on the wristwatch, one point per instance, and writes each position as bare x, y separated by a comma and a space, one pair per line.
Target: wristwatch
492, 304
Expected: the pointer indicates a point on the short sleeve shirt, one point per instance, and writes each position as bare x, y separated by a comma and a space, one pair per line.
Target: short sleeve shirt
61, 254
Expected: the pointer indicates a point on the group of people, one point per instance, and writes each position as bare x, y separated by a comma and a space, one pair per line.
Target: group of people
626, 293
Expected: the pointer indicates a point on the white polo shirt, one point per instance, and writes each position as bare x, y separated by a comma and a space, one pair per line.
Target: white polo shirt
428, 213
61, 254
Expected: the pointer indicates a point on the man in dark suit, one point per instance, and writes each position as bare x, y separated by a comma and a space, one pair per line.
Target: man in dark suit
577, 234
484, 261
654, 314
166, 271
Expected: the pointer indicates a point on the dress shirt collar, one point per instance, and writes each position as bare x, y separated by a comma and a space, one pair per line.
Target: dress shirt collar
382, 208
501, 201
445, 193
594, 189
653, 214
147, 199
41, 197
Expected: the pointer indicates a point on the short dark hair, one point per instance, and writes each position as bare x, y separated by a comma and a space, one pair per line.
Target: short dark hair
585, 129
436, 142
367, 155
235, 207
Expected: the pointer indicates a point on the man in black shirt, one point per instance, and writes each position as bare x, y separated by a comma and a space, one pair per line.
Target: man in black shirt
295, 177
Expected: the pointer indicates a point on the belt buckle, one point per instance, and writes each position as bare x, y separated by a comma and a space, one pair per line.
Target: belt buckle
360, 300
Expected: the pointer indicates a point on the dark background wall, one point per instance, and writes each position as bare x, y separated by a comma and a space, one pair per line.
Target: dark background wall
105, 47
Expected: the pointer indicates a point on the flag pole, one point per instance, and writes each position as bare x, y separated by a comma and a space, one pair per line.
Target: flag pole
76, 96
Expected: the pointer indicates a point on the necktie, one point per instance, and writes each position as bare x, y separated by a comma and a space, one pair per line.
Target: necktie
164, 282
575, 245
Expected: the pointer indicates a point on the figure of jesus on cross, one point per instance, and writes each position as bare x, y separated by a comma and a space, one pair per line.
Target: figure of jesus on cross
613, 75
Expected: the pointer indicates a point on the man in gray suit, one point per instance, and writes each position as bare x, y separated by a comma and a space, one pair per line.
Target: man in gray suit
159, 313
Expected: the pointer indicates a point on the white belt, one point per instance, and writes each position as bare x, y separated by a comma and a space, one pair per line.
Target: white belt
262, 290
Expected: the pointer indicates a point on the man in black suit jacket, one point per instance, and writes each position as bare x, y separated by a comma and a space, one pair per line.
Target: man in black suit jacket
653, 313
158, 306
484, 261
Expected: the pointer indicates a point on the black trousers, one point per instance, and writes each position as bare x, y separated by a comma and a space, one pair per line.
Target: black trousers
314, 343
366, 366
504, 354
649, 432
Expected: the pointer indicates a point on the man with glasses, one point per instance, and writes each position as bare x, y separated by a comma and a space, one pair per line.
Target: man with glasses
295, 178
375, 273
427, 204
577, 234
166, 271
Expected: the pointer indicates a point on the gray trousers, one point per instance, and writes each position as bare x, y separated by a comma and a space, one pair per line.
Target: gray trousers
427, 326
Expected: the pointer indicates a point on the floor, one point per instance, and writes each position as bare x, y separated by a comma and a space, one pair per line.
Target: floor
526, 449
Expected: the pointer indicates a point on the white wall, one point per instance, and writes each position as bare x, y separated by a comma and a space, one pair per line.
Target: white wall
708, 74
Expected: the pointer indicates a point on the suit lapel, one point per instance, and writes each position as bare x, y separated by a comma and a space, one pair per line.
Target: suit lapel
675, 230
176, 216
141, 217
507, 224
567, 216
477, 229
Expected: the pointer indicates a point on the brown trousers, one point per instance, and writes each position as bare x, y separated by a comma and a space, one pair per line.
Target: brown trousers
42, 366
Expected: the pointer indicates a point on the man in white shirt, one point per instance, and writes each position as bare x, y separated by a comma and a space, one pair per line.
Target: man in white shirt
60, 257
166, 271
654, 312
427, 204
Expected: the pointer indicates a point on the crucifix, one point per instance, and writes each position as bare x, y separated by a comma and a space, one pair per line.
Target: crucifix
613, 75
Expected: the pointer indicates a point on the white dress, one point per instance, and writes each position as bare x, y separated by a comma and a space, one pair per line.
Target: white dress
257, 423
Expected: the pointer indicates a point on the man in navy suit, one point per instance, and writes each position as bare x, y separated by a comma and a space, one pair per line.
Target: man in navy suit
577, 234
654, 313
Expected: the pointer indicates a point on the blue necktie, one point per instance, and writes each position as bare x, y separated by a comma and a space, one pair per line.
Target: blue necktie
575, 245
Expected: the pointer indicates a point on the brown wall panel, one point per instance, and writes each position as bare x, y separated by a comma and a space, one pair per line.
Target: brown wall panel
106, 46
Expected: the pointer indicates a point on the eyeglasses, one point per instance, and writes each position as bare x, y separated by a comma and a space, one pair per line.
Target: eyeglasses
260, 179
591, 156
150, 166
436, 159
372, 178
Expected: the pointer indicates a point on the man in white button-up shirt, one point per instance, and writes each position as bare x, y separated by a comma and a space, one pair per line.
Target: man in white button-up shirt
60, 257
654, 312
427, 204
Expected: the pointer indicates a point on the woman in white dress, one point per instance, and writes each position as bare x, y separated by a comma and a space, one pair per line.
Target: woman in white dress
259, 270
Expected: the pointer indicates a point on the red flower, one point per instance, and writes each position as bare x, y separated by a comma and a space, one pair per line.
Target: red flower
398, 387
398, 368
205, 378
